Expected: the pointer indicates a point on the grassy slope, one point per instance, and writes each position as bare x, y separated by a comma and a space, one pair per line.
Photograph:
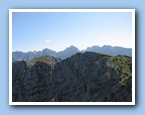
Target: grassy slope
43, 59
125, 68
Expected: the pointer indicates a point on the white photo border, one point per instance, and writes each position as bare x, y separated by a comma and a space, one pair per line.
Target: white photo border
71, 10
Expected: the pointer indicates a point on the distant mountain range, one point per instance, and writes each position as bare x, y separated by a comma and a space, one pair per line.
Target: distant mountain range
114, 51
69, 51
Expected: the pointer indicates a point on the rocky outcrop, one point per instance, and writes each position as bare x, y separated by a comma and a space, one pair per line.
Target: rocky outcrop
37, 83
32, 80
19, 70
84, 77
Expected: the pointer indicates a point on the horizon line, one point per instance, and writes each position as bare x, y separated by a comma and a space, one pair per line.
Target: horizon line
69, 47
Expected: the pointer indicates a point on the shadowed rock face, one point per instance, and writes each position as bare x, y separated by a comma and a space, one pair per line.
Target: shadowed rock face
33, 83
84, 77
37, 83
19, 70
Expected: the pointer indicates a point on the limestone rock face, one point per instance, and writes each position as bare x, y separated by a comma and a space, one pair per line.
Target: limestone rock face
84, 77
32, 80
37, 83
19, 70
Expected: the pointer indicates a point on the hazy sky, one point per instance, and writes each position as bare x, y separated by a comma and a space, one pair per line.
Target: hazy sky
36, 31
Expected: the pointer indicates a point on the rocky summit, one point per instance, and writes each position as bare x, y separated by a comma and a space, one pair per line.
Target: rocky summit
84, 77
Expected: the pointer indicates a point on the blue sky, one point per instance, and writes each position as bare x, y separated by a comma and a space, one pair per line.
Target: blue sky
58, 30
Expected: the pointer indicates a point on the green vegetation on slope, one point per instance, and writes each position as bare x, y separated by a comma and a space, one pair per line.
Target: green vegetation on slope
123, 65
43, 59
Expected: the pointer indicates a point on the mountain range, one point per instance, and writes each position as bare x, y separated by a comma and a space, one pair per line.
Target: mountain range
69, 51
83, 77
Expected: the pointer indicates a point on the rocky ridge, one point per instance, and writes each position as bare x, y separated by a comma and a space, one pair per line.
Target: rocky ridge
84, 77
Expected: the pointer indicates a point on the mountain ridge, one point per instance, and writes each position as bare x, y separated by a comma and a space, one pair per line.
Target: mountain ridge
83, 77
69, 51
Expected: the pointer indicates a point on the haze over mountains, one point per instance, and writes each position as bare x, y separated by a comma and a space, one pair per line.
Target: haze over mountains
69, 51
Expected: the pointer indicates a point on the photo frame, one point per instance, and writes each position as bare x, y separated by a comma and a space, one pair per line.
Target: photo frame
11, 11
